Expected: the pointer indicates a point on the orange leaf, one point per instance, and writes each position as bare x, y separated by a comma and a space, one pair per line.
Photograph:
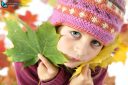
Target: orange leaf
29, 18
2, 46
3, 60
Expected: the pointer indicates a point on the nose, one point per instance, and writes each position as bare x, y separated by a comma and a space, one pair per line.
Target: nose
81, 49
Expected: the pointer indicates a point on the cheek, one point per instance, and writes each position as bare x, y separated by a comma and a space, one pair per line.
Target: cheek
64, 44
96, 52
91, 54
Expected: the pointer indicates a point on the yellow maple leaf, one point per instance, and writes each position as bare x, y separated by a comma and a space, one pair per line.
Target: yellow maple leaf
120, 55
25, 2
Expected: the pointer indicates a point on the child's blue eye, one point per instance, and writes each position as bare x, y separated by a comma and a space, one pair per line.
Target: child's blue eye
95, 43
75, 34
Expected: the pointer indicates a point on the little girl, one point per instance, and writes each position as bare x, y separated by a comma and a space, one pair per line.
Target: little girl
86, 27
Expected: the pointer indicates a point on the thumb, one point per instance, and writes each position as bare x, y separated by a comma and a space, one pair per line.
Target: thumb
86, 71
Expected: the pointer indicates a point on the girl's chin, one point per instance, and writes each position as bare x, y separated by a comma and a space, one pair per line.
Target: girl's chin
71, 65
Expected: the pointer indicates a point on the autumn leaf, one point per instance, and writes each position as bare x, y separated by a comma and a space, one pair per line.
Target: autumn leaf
29, 18
10, 9
3, 60
28, 44
25, 2
2, 45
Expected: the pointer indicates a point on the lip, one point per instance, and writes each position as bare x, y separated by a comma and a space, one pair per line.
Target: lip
72, 58
75, 59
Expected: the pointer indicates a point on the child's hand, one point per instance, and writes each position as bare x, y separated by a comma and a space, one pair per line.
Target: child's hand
84, 78
46, 71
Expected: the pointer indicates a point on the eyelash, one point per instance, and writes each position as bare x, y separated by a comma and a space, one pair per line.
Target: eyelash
95, 43
75, 34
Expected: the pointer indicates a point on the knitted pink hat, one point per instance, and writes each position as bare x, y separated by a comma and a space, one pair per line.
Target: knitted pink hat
100, 18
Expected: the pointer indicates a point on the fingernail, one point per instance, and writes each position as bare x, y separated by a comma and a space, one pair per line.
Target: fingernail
39, 55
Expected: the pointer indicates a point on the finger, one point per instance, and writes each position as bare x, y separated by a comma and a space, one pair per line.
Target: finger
89, 73
41, 67
45, 61
86, 71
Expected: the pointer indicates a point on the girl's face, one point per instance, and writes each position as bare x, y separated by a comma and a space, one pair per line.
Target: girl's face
77, 46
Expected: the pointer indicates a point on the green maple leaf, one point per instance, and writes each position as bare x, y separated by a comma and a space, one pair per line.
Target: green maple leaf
28, 44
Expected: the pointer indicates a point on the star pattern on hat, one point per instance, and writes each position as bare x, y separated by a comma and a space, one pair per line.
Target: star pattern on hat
94, 19
64, 9
112, 30
72, 11
82, 14
98, 1
105, 25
